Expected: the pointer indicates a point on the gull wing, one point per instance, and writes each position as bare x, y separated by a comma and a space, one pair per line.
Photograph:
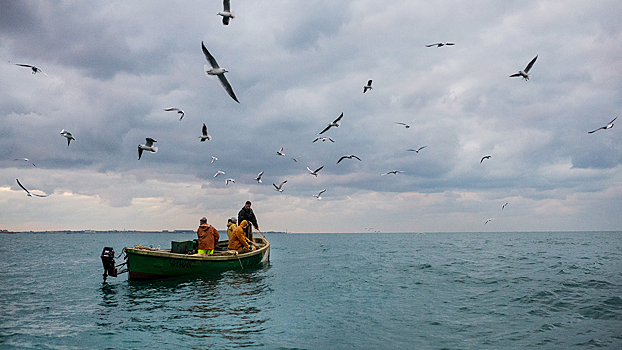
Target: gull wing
450, 43
149, 142
204, 130
226, 5
318, 169
22, 186
325, 129
282, 183
353, 156
171, 109
531, 64
140, 152
342, 158
227, 86
436, 44
322, 191
515, 75
614, 119
225, 20
338, 119
209, 57
24, 65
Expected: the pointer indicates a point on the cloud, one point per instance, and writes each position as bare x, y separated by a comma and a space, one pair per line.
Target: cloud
295, 67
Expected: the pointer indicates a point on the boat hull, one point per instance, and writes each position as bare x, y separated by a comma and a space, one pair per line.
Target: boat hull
152, 264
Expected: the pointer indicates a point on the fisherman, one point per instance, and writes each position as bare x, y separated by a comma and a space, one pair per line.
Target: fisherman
246, 213
238, 240
208, 237
231, 225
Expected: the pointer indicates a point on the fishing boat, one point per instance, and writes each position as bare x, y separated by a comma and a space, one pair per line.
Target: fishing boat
146, 263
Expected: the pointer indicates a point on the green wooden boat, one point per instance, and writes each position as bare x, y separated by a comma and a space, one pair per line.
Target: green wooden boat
144, 263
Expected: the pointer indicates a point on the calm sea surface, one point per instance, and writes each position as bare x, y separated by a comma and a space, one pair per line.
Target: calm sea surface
559, 290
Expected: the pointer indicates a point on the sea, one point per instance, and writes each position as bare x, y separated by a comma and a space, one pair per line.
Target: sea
519, 290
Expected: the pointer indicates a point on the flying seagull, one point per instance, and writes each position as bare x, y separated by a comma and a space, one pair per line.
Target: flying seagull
416, 150
279, 187
335, 123
229, 180
440, 44
216, 70
296, 159
405, 125
503, 206
319, 195
258, 178
392, 172
226, 13
175, 109
204, 135
367, 87
487, 221
280, 152
148, 146
26, 160
213, 159
348, 157
28, 192
484, 157
68, 135
314, 173
608, 126
523, 73
324, 139
219, 173
34, 69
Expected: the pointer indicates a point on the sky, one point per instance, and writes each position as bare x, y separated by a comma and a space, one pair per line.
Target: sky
295, 66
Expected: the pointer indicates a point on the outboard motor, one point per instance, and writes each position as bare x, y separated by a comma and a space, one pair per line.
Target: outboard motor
108, 262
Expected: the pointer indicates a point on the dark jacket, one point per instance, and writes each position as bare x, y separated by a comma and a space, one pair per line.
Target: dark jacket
248, 215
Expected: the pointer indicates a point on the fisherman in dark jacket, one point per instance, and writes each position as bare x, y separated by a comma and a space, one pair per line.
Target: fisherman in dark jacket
246, 213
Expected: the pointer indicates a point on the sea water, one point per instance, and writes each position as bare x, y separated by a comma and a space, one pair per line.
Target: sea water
545, 290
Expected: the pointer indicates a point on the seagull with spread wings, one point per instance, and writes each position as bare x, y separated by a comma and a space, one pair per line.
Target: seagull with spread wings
367, 87
219, 172
217, 71
335, 123
229, 180
324, 139
26, 160
148, 146
440, 44
226, 13
34, 69
319, 195
395, 172
416, 150
350, 156
484, 157
608, 126
314, 172
258, 178
175, 109
213, 159
524, 73
279, 188
280, 152
28, 192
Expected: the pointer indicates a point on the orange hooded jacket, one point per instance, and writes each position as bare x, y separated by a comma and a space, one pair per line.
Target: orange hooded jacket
238, 239
208, 236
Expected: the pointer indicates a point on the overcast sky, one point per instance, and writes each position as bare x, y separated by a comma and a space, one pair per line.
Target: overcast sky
295, 66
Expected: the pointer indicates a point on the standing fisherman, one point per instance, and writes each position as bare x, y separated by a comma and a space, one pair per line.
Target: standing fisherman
246, 213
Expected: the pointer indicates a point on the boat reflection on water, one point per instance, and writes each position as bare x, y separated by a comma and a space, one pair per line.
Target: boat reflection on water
224, 309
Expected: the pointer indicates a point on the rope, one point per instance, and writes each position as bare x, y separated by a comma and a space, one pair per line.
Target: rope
238, 256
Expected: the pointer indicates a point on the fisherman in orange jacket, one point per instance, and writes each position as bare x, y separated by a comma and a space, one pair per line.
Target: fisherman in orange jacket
208, 237
238, 240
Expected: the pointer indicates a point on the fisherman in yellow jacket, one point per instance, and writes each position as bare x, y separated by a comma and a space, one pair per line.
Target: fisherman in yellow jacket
231, 225
208, 237
238, 240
